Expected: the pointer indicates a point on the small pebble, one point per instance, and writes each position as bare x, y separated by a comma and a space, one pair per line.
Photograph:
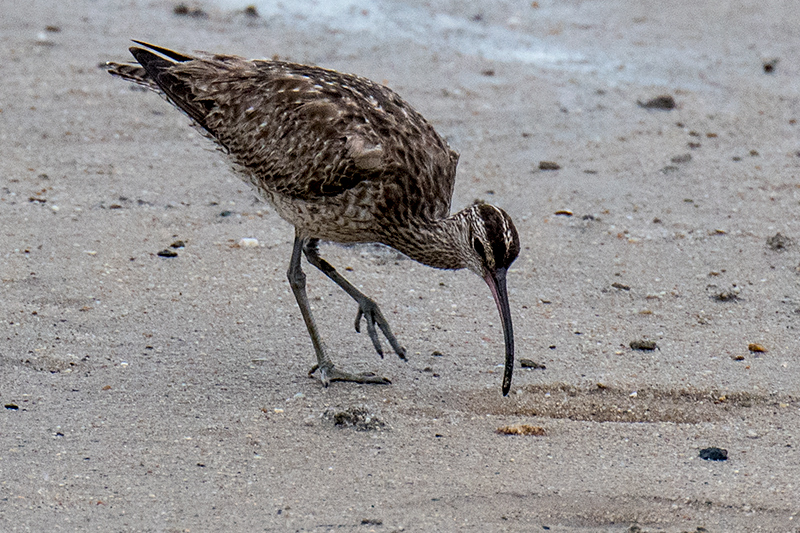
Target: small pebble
769, 65
521, 429
248, 242
714, 454
643, 345
659, 102
727, 296
548, 165
43, 39
185, 10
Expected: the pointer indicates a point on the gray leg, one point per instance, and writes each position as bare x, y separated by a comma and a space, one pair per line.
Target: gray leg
328, 372
366, 306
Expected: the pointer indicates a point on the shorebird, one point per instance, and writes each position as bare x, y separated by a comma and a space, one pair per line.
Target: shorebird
342, 159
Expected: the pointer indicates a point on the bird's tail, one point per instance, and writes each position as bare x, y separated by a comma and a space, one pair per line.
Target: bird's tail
137, 73
162, 70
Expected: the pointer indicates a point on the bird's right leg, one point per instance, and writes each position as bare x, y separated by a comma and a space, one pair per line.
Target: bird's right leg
367, 308
328, 372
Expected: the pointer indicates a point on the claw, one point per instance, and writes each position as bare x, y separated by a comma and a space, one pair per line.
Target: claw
322, 376
330, 373
373, 316
373, 334
358, 319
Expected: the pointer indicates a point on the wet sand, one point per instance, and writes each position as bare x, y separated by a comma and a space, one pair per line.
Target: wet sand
145, 393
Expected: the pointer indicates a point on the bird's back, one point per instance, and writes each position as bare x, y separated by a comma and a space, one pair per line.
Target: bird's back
316, 142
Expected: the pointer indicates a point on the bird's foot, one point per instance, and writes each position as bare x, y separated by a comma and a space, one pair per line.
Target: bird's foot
371, 313
328, 372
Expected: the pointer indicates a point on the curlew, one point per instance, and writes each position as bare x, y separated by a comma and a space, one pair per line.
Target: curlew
342, 159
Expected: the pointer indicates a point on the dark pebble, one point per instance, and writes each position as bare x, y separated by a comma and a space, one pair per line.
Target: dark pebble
659, 102
184, 10
683, 158
643, 345
548, 165
714, 454
167, 253
621, 286
530, 363
726, 296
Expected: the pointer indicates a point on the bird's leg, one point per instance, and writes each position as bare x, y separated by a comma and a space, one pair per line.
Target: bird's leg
328, 372
366, 306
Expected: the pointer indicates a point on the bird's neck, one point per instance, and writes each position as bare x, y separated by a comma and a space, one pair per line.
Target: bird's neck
438, 244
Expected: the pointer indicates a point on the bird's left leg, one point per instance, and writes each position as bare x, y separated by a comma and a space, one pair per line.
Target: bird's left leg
367, 307
328, 372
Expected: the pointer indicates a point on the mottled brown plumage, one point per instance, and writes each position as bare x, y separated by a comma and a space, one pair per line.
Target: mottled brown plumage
343, 159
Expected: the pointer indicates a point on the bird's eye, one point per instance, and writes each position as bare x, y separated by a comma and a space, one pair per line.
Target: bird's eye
478, 246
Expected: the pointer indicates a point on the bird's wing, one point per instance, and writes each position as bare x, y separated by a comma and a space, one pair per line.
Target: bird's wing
302, 131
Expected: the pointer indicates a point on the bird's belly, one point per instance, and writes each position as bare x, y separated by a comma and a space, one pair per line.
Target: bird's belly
337, 218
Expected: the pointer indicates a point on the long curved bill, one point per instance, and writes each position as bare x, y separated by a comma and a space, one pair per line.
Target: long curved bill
497, 284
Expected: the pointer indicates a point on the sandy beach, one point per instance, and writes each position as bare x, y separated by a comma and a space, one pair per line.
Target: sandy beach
657, 293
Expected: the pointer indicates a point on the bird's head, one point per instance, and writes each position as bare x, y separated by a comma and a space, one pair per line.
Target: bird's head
493, 245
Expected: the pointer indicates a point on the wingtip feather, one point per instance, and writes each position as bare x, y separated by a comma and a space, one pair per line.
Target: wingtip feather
172, 54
